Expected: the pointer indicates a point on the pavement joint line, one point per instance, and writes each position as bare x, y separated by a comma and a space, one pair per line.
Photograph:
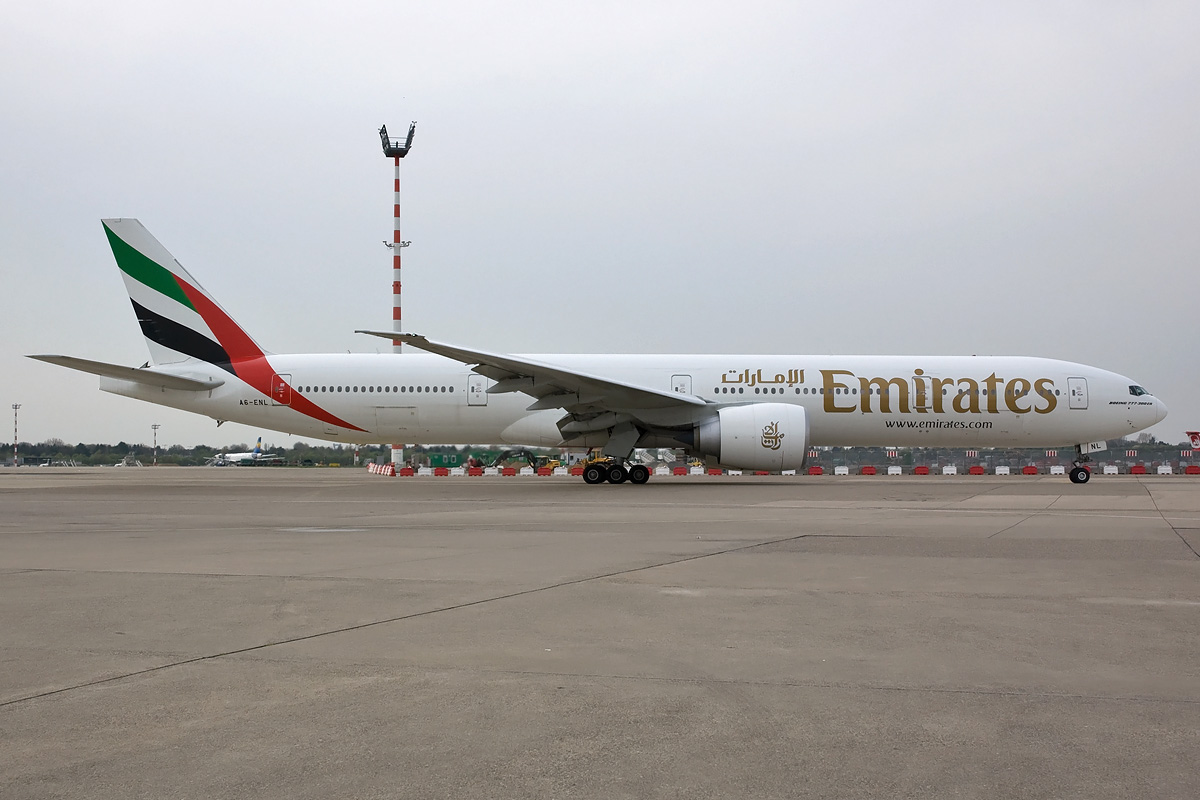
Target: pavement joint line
1174, 530
1010, 527
1147, 514
876, 687
309, 576
414, 615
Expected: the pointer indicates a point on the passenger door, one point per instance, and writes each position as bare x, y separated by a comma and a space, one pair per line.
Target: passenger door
476, 390
281, 390
1077, 392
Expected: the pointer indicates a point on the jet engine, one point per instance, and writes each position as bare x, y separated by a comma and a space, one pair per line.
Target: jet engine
758, 436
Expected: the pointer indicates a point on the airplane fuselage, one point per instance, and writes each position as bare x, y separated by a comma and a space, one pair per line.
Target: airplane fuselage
986, 401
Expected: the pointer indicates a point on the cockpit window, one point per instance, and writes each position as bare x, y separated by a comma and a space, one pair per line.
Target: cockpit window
1137, 391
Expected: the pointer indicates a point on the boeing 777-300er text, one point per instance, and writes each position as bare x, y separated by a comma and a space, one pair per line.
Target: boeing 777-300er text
754, 412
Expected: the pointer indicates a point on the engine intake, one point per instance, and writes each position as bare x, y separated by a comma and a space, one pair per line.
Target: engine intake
759, 436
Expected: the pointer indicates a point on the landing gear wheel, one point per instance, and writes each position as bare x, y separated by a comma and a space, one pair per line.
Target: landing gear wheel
616, 474
1080, 475
594, 473
638, 474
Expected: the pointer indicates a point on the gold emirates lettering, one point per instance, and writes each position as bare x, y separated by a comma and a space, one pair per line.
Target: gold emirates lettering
923, 394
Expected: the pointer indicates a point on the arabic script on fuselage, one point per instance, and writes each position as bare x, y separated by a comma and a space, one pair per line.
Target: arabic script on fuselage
756, 378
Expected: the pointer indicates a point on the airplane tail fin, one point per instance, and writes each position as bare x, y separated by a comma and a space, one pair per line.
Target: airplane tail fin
258, 446
179, 319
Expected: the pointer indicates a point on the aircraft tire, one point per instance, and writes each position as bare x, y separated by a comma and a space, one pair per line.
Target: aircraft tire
638, 474
1080, 475
616, 474
594, 473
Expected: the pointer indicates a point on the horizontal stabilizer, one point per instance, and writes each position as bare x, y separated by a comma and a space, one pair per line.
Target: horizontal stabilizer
144, 376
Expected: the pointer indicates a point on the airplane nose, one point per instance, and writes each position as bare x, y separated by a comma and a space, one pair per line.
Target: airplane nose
1160, 410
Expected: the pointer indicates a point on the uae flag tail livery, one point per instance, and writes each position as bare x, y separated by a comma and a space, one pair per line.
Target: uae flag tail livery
179, 319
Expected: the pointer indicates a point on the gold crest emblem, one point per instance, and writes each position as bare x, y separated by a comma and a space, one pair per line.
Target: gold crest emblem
771, 437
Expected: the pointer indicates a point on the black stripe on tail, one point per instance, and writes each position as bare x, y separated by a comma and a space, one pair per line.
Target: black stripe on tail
180, 338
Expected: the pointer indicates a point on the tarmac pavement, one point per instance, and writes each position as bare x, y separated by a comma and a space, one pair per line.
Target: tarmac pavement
305, 633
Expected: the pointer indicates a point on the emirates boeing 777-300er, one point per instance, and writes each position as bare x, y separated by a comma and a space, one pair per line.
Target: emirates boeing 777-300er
754, 412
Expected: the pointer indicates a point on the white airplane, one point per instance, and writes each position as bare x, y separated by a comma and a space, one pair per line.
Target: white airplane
755, 412
235, 459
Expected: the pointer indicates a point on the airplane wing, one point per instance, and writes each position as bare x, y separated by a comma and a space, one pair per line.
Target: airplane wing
147, 377
551, 385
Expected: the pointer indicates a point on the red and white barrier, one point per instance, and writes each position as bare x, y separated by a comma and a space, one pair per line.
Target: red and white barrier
389, 470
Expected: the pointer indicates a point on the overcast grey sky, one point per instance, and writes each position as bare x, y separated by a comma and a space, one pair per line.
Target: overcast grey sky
617, 177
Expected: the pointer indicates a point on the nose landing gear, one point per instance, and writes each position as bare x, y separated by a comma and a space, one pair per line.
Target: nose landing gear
1080, 473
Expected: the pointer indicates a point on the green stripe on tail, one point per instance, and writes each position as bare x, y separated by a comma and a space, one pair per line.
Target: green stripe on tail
144, 270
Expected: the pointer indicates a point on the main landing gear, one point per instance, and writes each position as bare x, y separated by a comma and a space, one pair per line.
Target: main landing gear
615, 472
1080, 473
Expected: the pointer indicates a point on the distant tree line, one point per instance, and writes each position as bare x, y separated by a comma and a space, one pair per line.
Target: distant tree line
323, 454
56, 450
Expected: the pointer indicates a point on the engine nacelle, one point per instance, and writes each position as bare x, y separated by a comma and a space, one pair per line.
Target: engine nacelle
760, 436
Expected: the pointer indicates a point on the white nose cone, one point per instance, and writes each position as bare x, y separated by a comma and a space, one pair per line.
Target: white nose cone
1160, 410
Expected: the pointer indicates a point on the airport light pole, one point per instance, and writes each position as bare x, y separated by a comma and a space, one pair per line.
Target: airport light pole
16, 407
396, 150
155, 428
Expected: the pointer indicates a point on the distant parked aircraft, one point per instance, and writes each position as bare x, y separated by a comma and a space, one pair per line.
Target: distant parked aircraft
255, 456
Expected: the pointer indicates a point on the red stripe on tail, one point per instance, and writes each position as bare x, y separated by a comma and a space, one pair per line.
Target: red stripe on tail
249, 362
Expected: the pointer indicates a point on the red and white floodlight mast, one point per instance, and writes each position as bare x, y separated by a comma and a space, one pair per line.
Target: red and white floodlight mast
16, 407
396, 150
